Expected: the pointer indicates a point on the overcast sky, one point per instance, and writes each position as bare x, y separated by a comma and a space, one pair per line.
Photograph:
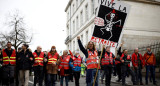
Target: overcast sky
46, 19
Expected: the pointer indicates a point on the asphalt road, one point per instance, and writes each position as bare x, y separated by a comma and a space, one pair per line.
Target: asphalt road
114, 83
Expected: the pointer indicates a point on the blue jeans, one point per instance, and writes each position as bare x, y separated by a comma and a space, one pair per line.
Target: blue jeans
66, 80
150, 68
90, 77
51, 79
138, 74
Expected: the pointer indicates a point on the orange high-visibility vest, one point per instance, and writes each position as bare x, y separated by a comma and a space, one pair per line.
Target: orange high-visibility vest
52, 59
108, 59
64, 63
92, 60
77, 61
39, 59
128, 58
11, 60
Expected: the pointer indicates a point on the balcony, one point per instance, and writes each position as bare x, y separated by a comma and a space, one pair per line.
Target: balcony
68, 39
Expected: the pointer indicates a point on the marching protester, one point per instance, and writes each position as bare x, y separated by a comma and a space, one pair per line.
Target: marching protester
118, 69
1, 67
44, 69
52, 66
25, 60
83, 67
150, 62
17, 68
125, 67
64, 67
75, 63
107, 62
138, 64
102, 74
70, 72
91, 62
38, 66
8, 58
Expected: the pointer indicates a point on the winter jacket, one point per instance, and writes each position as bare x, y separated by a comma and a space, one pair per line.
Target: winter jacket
53, 68
149, 58
137, 60
24, 60
74, 68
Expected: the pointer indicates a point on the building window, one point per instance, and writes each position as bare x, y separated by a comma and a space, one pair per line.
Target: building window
73, 8
80, 1
81, 14
86, 9
92, 6
67, 30
73, 46
96, 10
86, 37
77, 4
68, 16
82, 38
77, 22
73, 27
68, 47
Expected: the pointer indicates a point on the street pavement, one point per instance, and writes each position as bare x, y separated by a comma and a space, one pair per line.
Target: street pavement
113, 82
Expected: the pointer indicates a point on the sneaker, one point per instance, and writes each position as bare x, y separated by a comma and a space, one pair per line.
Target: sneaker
118, 80
154, 84
141, 83
102, 81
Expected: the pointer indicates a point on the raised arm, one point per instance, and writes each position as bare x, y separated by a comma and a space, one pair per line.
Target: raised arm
119, 50
82, 47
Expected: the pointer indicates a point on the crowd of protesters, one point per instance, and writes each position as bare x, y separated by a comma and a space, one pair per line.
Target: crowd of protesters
49, 67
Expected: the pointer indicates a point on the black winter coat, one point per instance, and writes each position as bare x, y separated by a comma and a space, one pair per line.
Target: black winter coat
24, 61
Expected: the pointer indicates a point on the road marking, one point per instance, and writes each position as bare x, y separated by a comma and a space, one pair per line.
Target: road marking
31, 82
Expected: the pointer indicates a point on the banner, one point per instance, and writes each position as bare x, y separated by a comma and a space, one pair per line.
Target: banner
109, 22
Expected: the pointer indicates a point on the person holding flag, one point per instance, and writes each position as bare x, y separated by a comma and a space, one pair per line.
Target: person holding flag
75, 63
107, 63
92, 60
125, 67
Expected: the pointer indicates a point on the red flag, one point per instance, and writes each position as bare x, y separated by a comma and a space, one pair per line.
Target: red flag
112, 1
71, 53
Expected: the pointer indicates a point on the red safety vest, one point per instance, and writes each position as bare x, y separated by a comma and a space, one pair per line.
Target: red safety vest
92, 60
39, 59
128, 58
107, 60
64, 63
135, 59
77, 61
117, 62
7, 60
52, 59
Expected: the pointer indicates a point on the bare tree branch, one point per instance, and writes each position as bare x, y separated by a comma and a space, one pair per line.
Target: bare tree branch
18, 33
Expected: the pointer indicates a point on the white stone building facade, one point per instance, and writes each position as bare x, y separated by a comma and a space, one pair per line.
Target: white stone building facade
142, 26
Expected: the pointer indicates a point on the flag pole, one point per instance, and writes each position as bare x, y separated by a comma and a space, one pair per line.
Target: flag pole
99, 59
98, 66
